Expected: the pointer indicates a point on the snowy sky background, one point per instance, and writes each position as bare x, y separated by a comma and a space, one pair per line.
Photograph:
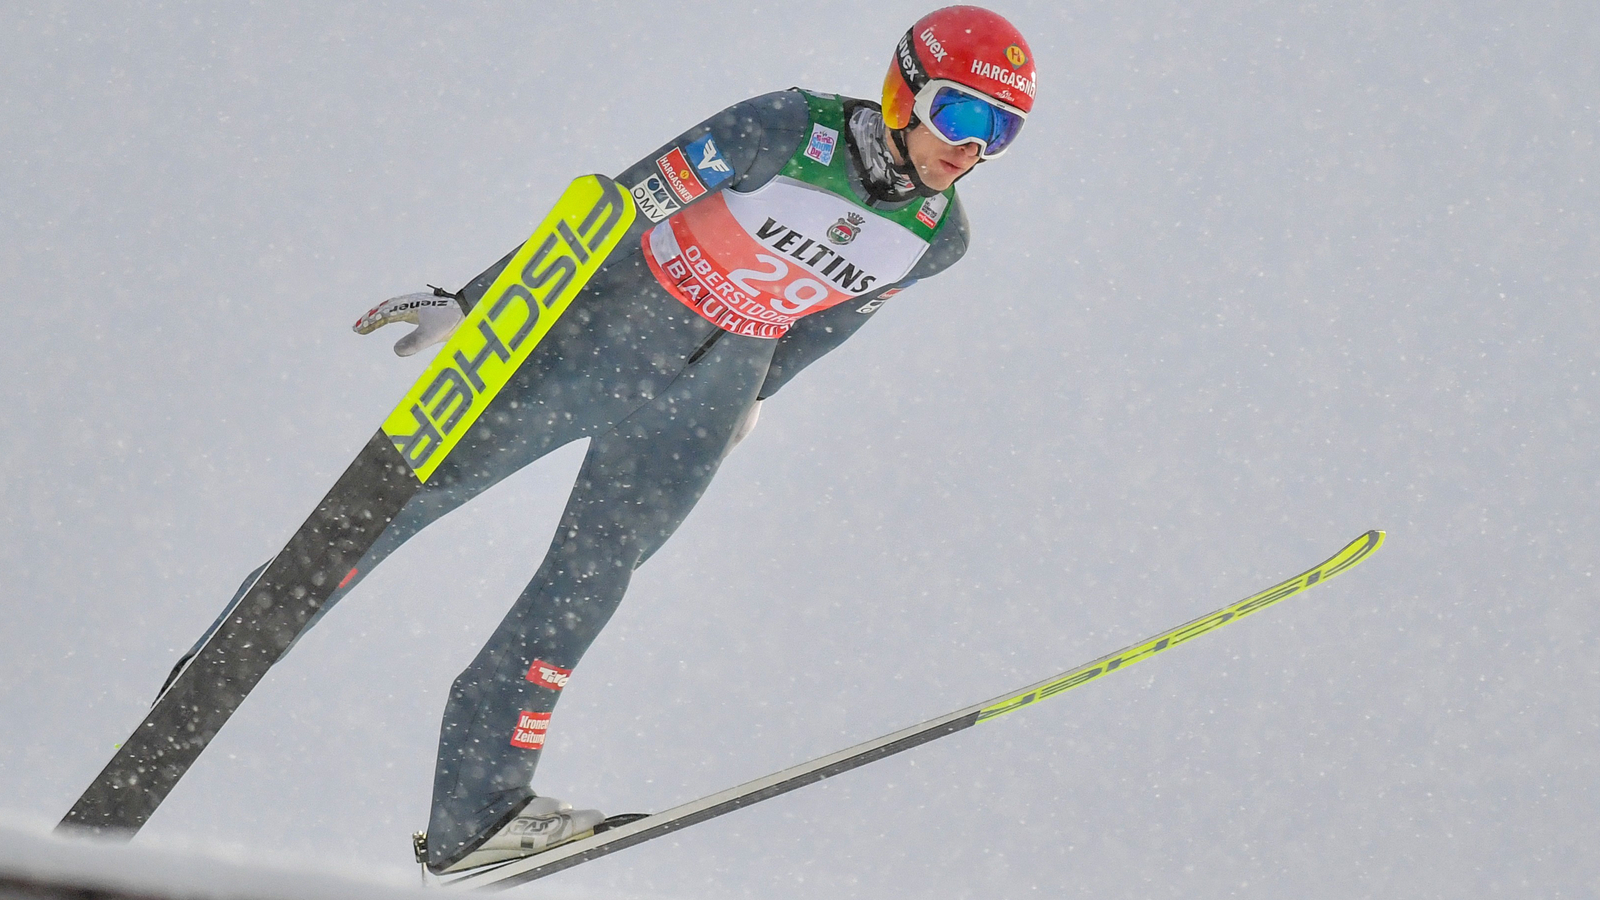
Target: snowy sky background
1258, 277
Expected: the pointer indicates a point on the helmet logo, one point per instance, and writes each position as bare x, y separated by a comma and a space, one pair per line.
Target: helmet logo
843, 232
933, 45
1003, 75
911, 69
1015, 56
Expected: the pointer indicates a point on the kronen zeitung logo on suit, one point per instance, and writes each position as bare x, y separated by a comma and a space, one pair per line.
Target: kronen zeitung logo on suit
515, 313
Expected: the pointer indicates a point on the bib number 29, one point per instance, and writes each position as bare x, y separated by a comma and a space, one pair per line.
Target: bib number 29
799, 294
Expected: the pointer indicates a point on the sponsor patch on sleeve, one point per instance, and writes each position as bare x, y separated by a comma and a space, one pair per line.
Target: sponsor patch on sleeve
871, 306
709, 163
822, 144
531, 730
680, 175
653, 198
549, 676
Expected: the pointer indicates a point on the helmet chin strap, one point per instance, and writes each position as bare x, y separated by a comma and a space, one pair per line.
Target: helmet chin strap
909, 169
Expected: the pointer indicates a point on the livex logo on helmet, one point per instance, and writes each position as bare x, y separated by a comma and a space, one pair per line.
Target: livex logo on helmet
911, 68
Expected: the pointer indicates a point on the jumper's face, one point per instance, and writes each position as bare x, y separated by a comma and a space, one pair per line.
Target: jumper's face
939, 164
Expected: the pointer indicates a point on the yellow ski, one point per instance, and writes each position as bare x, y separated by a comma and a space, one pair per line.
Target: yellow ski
515, 313
624, 831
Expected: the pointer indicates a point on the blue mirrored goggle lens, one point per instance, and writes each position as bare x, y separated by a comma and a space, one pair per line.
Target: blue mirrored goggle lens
962, 117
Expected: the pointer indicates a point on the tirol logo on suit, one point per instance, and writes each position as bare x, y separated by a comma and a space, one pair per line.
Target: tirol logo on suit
550, 676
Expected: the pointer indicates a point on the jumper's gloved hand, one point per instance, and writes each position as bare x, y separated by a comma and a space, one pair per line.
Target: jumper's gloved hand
436, 316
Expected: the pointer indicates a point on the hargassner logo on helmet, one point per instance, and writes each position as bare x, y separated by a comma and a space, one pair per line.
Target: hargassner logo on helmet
1003, 75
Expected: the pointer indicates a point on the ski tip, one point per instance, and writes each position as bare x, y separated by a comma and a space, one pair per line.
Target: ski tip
1374, 539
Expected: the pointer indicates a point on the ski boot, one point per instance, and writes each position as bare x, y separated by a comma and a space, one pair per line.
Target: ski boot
544, 823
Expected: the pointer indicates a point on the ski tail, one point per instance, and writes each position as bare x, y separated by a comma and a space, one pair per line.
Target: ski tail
519, 308
625, 835
205, 693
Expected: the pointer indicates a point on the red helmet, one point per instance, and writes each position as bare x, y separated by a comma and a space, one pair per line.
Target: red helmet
968, 50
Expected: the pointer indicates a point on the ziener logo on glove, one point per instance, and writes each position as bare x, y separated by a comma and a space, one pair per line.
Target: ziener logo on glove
546, 675
530, 731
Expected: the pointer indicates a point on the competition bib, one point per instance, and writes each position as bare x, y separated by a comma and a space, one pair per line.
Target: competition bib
754, 263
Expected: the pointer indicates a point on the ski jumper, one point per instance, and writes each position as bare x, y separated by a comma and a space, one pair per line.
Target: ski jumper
763, 242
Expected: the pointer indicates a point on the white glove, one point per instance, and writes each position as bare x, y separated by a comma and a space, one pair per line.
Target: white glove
747, 425
436, 318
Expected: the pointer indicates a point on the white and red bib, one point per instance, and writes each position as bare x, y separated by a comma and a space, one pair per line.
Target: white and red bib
753, 263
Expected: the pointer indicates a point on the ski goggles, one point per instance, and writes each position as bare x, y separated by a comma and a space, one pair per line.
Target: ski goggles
959, 115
